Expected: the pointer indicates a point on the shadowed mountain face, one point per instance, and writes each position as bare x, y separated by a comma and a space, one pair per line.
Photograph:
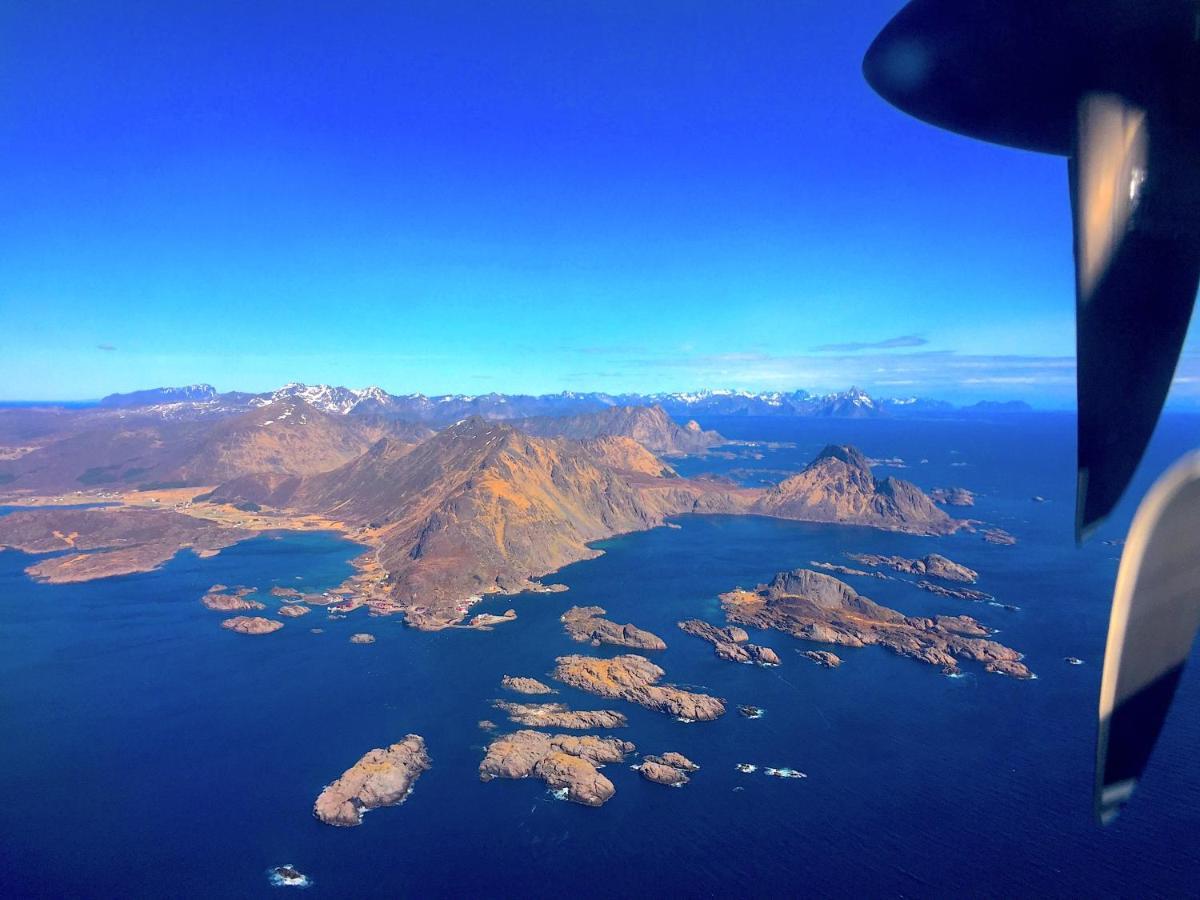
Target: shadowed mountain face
650, 426
838, 486
125, 449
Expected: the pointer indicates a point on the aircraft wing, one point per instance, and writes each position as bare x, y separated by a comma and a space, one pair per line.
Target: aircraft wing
1155, 615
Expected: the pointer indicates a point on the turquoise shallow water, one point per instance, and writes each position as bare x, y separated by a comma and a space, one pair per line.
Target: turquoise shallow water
148, 752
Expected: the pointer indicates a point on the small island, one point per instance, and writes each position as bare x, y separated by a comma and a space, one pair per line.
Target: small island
362, 638
226, 599
635, 678
251, 625
566, 763
522, 685
823, 658
934, 565
559, 715
383, 777
671, 769
731, 643
817, 607
584, 625
955, 496
293, 610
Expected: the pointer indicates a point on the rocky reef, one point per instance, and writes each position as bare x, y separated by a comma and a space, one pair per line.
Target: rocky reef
566, 763
934, 565
583, 624
362, 638
559, 715
251, 625
823, 658
998, 536
523, 685
818, 607
383, 777
731, 643
635, 678
956, 593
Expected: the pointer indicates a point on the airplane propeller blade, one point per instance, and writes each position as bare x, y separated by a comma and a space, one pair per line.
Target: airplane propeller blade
1155, 615
1136, 279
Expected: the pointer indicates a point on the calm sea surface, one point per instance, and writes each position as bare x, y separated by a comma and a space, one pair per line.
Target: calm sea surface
146, 752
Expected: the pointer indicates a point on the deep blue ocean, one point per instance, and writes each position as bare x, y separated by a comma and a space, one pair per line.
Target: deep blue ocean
144, 751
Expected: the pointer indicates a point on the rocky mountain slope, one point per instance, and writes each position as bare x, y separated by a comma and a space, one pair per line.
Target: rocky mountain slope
838, 486
650, 426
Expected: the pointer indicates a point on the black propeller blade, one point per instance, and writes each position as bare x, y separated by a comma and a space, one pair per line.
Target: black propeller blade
1111, 84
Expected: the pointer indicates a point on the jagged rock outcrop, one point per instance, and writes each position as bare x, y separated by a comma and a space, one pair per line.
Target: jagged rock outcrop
523, 685
818, 607
559, 715
635, 678
934, 565
731, 643
838, 486
584, 624
383, 777
565, 762
251, 625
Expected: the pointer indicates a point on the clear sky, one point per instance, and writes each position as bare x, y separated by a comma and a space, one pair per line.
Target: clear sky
510, 196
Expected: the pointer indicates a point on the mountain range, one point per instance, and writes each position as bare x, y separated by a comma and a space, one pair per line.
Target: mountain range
203, 399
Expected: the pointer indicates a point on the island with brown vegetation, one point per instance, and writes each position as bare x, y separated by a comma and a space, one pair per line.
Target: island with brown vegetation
251, 625
559, 715
731, 643
817, 607
383, 777
671, 769
566, 763
585, 625
293, 610
636, 679
226, 599
522, 685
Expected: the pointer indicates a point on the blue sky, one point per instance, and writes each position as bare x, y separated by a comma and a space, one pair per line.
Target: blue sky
520, 197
